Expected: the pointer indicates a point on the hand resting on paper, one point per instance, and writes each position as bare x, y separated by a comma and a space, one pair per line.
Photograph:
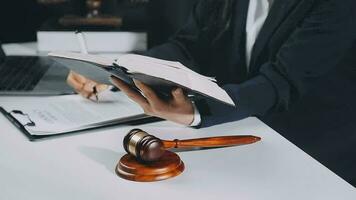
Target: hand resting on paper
84, 86
178, 109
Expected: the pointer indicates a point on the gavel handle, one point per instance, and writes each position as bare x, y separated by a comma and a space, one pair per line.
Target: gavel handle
223, 141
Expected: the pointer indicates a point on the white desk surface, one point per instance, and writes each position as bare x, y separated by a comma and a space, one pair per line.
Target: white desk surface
82, 166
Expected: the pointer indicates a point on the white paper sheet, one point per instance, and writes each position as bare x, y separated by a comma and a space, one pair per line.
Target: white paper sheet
54, 115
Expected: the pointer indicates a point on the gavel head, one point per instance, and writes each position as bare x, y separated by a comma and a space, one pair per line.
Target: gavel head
144, 147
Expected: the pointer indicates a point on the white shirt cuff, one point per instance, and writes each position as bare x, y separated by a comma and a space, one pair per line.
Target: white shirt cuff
197, 117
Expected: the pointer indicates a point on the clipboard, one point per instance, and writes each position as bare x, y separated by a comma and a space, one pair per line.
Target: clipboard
133, 120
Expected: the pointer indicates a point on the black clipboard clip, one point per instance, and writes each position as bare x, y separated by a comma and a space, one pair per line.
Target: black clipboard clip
17, 123
19, 112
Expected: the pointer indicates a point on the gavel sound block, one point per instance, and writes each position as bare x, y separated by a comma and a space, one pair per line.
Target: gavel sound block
148, 158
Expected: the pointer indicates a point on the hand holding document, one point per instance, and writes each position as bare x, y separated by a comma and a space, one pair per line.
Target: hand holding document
161, 75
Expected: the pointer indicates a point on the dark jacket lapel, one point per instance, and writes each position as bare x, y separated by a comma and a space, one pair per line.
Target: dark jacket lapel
230, 48
279, 11
239, 39
240, 17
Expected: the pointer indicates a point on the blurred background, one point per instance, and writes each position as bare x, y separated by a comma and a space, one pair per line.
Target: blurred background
21, 19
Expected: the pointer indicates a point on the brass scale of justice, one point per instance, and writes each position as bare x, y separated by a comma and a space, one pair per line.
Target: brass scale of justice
148, 158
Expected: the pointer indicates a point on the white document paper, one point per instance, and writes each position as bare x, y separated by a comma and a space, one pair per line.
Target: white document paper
60, 114
176, 73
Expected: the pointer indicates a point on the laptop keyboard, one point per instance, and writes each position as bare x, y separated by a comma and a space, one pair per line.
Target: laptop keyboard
21, 74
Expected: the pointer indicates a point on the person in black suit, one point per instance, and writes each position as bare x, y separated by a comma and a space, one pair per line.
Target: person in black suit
278, 60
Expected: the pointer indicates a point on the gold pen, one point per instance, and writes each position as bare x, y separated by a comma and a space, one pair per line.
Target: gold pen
95, 92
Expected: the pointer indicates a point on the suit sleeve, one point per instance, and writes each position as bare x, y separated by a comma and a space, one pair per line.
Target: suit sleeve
314, 47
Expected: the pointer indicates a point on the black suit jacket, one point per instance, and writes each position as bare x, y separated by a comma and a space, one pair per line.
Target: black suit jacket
295, 81
301, 41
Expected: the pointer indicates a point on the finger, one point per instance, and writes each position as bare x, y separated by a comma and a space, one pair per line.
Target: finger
75, 80
148, 92
101, 87
179, 95
78, 77
89, 86
132, 94
85, 94
74, 83
84, 86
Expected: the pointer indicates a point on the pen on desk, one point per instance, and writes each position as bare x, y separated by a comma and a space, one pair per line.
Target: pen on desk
95, 91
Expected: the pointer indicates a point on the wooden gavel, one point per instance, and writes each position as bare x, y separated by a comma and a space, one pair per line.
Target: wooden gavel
147, 148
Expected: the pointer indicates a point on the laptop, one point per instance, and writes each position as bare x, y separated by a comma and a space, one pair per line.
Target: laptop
32, 75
